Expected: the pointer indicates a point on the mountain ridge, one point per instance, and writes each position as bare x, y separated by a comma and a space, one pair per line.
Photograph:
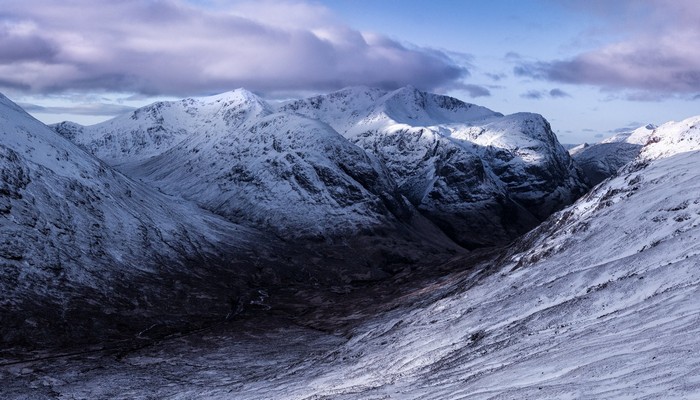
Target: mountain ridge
440, 168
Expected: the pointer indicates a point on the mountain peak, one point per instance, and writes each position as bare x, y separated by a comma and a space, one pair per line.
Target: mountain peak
236, 95
413, 106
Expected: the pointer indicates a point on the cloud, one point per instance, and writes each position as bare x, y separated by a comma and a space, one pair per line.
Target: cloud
512, 56
172, 47
533, 95
496, 77
101, 109
627, 128
541, 94
658, 55
473, 90
558, 93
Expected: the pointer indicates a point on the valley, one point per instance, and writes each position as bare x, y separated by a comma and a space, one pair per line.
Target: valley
361, 244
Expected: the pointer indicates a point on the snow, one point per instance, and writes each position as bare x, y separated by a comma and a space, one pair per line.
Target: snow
152, 130
673, 138
599, 301
494, 164
77, 235
460, 165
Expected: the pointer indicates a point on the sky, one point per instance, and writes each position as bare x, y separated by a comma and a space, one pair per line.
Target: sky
592, 68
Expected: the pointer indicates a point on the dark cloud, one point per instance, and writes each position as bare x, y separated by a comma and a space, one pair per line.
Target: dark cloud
531, 70
657, 55
496, 77
176, 48
558, 93
533, 95
598, 135
101, 109
10, 84
627, 128
473, 90
19, 46
541, 94
512, 56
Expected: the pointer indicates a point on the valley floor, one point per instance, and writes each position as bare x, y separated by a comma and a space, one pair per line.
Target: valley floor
472, 334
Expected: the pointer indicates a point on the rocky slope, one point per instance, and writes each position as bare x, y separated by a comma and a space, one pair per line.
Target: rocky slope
463, 166
381, 161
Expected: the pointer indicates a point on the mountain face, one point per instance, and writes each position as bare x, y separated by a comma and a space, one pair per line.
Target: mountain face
463, 166
86, 252
382, 161
600, 161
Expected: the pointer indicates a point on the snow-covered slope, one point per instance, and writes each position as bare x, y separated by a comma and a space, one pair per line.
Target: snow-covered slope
483, 177
599, 302
602, 160
672, 138
87, 253
291, 175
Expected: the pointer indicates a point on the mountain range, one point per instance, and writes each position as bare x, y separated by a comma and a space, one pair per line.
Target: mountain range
365, 156
360, 244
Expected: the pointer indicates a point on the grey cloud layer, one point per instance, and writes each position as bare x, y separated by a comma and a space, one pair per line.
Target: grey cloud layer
170, 47
101, 109
541, 94
659, 56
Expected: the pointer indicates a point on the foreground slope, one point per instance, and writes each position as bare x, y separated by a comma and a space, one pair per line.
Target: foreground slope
600, 302
87, 253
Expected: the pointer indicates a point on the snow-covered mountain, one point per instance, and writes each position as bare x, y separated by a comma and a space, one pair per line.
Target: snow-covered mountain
600, 301
599, 161
233, 155
154, 129
90, 253
484, 178
86, 252
376, 160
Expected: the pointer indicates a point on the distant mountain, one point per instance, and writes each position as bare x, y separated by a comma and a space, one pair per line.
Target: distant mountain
484, 178
601, 160
607, 284
357, 155
292, 176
